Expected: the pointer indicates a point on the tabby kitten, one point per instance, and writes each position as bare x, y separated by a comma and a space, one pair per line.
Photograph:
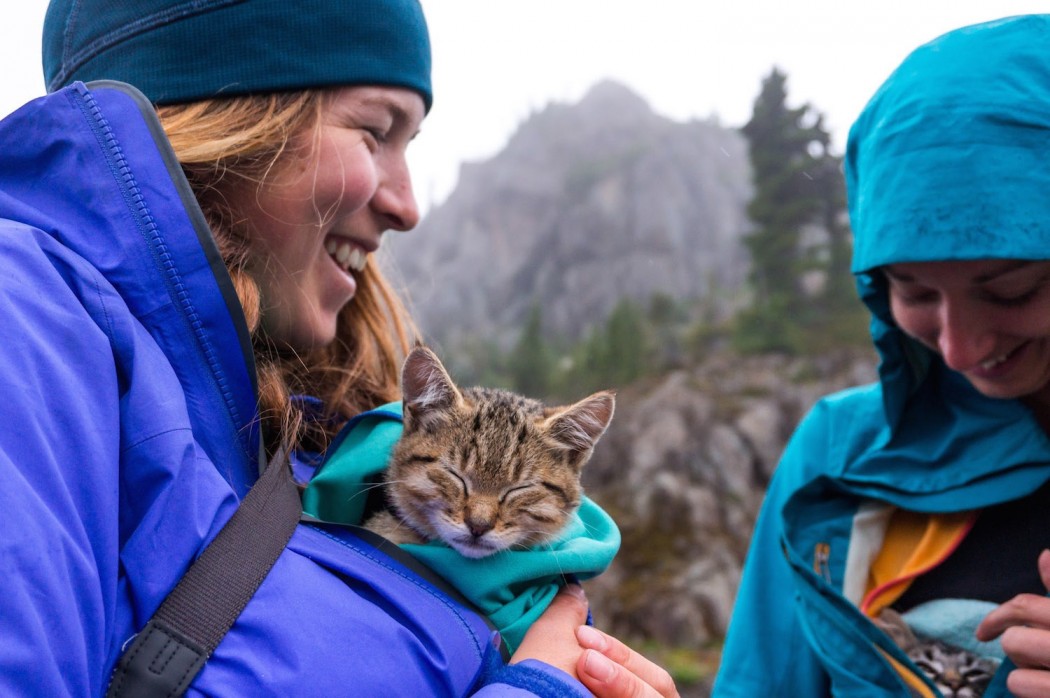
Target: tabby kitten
956, 672
483, 469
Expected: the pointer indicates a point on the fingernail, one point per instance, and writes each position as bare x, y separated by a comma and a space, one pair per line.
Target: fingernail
599, 666
589, 637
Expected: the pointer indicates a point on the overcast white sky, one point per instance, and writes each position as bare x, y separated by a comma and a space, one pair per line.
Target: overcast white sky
497, 61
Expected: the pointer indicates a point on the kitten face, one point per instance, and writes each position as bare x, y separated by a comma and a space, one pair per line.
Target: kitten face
455, 497
956, 672
486, 470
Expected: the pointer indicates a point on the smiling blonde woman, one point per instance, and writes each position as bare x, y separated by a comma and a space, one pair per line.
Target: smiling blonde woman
187, 229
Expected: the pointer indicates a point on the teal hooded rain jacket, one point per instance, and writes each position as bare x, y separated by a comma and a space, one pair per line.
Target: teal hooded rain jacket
948, 161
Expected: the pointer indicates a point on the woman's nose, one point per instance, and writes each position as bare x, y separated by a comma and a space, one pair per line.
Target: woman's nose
394, 199
964, 340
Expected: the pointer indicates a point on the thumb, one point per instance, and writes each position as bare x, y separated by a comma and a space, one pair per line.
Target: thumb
1044, 568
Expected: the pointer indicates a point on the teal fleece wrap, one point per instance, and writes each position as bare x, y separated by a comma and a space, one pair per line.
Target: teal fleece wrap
512, 587
187, 50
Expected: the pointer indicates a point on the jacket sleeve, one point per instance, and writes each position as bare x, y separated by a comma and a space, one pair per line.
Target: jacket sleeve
528, 679
765, 651
59, 446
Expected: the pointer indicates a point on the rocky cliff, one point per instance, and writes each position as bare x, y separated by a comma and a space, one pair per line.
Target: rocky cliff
683, 470
587, 204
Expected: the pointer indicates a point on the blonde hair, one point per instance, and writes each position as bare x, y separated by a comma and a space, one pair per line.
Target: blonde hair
225, 142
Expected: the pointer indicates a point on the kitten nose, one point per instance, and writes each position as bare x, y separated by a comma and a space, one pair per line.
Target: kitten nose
479, 525
953, 679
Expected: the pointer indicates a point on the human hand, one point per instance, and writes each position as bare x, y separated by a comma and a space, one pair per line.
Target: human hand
611, 669
1023, 623
606, 666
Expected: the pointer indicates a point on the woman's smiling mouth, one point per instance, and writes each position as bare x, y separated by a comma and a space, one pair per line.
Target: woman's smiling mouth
346, 254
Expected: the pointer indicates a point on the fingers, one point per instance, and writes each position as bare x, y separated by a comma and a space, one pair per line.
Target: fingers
1029, 648
606, 666
1028, 683
1023, 626
1022, 610
611, 669
606, 679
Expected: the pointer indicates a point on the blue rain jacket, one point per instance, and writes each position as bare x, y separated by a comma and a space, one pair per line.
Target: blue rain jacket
128, 403
947, 161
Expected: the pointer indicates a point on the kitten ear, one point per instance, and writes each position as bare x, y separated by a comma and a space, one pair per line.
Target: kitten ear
894, 625
578, 427
427, 390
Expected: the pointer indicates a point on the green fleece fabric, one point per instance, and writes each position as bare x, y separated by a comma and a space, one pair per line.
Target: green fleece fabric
512, 587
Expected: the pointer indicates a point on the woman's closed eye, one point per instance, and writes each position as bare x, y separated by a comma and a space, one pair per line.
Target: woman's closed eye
1013, 293
377, 134
1011, 300
1016, 287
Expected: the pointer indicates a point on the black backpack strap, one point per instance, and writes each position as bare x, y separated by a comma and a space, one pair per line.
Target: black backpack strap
171, 650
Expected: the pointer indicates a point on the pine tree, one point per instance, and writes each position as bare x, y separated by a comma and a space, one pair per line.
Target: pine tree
625, 338
844, 318
531, 363
797, 186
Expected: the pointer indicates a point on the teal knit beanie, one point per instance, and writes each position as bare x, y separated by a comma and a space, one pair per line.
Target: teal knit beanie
186, 50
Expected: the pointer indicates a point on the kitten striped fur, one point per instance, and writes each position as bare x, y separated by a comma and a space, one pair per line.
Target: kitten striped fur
955, 671
484, 469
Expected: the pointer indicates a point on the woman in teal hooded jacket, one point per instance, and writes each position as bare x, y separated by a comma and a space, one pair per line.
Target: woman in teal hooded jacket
925, 493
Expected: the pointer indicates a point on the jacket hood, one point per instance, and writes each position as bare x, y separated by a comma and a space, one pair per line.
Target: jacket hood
92, 169
947, 162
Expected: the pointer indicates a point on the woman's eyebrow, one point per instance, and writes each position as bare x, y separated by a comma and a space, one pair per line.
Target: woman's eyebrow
996, 273
992, 275
398, 113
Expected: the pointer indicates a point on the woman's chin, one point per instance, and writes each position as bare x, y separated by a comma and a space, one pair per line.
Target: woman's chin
301, 336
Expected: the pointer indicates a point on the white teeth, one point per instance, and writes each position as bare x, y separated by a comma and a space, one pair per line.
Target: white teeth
357, 259
346, 255
992, 363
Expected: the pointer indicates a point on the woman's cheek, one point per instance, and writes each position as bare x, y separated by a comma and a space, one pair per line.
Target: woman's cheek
919, 323
347, 174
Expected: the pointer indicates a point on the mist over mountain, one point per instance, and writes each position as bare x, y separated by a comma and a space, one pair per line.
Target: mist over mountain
587, 204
